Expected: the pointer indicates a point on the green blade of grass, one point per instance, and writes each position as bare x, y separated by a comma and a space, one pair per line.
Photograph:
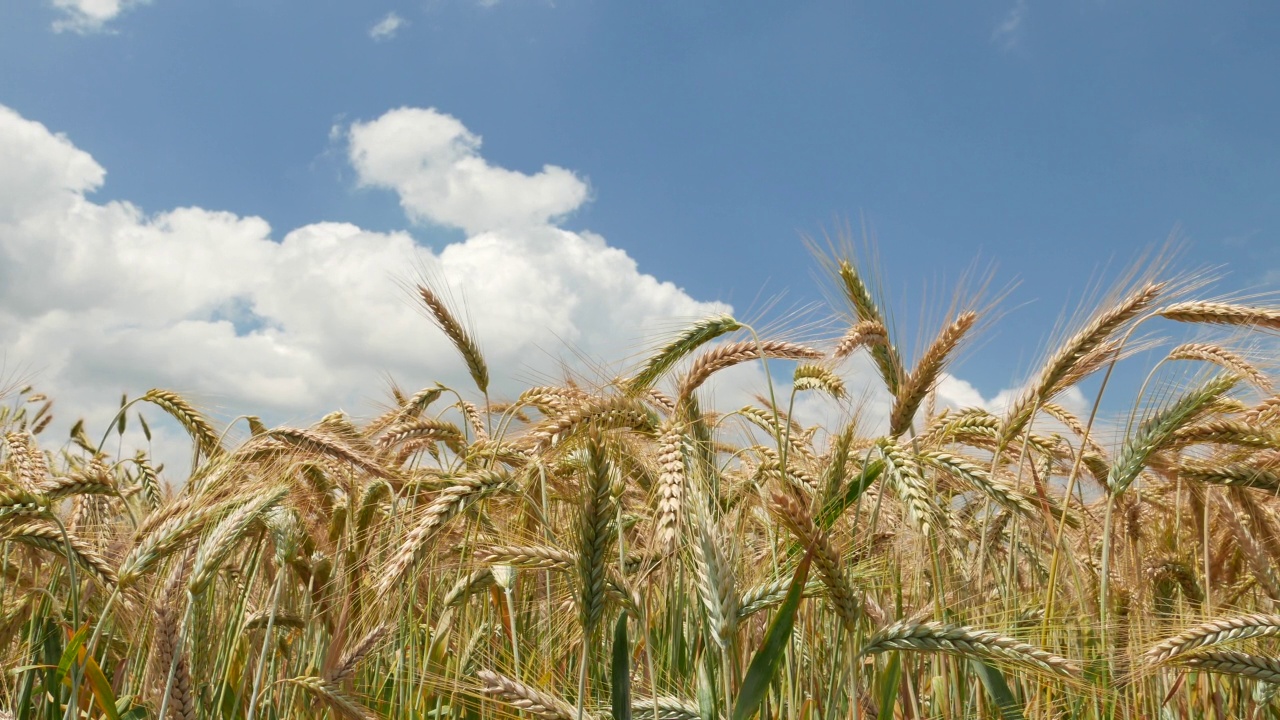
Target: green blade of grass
996, 687
620, 686
765, 663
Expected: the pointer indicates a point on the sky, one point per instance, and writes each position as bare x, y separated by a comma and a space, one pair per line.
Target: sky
234, 198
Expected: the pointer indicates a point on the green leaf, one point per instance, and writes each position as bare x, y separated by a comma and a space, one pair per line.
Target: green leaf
769, 657
832, 510
889, 687
993, 680
71, 651
620, 687
101, 689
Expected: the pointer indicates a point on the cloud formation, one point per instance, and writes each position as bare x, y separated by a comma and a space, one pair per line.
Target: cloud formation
387, 27
89, 16
1008, 33
102, 298
433, 163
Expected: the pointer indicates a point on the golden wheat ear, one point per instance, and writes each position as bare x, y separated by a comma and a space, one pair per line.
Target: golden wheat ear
462, 340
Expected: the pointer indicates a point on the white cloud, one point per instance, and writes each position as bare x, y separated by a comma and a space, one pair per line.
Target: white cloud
1008, 33
433, 162
102, 298
387, 27
89, 16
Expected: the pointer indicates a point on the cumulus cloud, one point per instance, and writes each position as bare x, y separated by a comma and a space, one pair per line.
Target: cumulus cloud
433, 162
102, 298
89, 16
387, 27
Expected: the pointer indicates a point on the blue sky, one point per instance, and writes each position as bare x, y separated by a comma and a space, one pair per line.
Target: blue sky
1052, 139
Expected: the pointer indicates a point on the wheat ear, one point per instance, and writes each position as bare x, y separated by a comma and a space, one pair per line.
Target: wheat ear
519, 695
458, 335
1060, 370
332, 697
1223, 314
736, 353
690, 339
1229, 662
966, 641
1214, 632
1223, 358
912, 391
191, 420
448, 504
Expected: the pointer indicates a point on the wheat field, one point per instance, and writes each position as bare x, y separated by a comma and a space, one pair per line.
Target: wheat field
618, 548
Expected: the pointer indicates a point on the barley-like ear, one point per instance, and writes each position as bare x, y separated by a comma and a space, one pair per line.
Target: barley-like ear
169, 655
315, 442
449, 503
149, 480
1226, 432
18, 503
809, 376
165, 532
732, 354
528, 557
346, 668
1062, 365
218, 546
472, 414
191, 420
950, 639
713, 573
27, 458
1156, 430
980, 479
595, 534
331, 696
603, 414
1214, 632
458, 335
48, 537
1254, 667
1223, 314
868, 333
1232, 475
1225, 359
666, 708
423, 429
671, 484
517, 694
830, 564
88, 483
866, 310
690, 339
903, 472
912, 391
